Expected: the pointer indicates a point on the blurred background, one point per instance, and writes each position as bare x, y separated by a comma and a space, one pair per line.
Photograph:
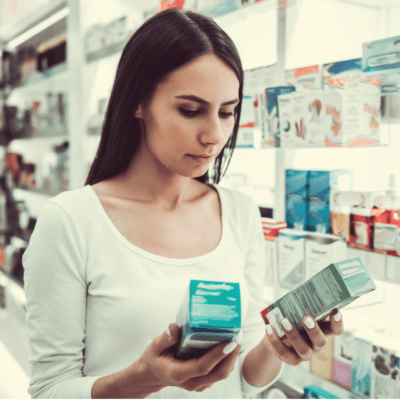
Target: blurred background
321, 102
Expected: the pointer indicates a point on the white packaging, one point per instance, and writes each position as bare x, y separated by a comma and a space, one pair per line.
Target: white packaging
291, 257
286, 120
383, 386
371, 116
322, 250
385, 236
334, 132
316, 118
360, 198
271, 230
300, 119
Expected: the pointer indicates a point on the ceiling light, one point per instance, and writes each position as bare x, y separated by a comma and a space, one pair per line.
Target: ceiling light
12, 44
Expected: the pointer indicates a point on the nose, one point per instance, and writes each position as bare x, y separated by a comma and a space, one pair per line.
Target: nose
212, 132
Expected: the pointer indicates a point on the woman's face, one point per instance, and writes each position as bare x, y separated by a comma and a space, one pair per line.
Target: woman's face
190, 116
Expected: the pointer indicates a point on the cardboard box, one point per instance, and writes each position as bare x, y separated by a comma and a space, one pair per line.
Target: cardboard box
322, 361
272, 138
384, 368
321, 250
339, 222
316, 118
271, 230
332, 288
209, 314
320, 186
291, 270
296, 199
285, 105
359, 198
305, 79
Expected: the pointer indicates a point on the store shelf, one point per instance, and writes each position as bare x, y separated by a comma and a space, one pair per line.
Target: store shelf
42, 134
106, 52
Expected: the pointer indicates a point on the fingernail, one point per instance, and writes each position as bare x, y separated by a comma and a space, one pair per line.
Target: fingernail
286, 324
230, 347
168, 332
269, 329
337, 317
310, 324
239, 337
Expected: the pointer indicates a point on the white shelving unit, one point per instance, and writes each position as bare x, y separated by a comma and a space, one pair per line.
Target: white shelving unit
307, 32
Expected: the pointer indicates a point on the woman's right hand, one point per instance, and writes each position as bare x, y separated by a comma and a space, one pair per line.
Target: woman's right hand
195, 374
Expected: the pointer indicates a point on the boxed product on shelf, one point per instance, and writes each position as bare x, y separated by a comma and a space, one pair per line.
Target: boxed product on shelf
210, 313
271, 229
315, 392
322, 361
300, 119
216, 8
339, 221
362, 222
358, 198
384, 368
306, 78
296, 196
341, 74
291, 270
371, 116
322, 249
380, 61
332, 288
316, 118
320, 186
285, 105
272, 136
245, 138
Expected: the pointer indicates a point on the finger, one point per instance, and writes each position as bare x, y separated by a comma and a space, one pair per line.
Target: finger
317, 337
300, 346
168, 338
336, 323
285, 354
203, 388
205, 364
220, 372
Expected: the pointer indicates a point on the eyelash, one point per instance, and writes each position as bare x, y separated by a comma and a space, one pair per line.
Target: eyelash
191, 114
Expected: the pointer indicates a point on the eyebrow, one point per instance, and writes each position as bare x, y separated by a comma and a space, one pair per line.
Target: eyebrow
202, 101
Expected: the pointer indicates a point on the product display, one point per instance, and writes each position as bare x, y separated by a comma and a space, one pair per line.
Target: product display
209, 314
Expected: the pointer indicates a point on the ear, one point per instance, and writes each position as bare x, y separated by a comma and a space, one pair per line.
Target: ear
139, 112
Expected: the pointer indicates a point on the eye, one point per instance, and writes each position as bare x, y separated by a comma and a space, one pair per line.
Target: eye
189, 113
226, 115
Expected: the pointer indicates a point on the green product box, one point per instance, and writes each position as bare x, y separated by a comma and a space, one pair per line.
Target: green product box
334, 287
210, 313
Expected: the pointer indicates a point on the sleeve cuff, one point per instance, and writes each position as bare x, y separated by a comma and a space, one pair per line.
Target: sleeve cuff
250, 390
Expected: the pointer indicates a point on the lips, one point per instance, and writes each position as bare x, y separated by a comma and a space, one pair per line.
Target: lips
201, 156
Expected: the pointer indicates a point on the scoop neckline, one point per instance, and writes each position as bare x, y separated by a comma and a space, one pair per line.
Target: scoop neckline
155, 257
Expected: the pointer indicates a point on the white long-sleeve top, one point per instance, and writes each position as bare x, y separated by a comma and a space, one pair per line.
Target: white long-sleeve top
95, 301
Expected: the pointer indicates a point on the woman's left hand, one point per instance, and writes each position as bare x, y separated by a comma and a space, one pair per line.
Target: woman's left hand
296, 348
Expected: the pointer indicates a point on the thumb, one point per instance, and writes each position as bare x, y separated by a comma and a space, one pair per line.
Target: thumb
169, 338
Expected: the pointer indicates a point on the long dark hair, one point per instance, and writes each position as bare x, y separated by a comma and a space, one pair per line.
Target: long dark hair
161, 44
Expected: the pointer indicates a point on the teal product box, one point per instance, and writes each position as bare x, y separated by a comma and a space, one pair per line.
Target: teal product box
361, 367
216, 8
319, 188
296, 199
210, 313
315, 392
272, 137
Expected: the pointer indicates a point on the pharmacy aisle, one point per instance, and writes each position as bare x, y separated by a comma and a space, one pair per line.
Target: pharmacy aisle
317, 151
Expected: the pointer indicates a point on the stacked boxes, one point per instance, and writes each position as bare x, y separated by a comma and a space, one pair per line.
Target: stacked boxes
271, 230
320, 184
296, 198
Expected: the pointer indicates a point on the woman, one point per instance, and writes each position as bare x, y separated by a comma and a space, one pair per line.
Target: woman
108, 264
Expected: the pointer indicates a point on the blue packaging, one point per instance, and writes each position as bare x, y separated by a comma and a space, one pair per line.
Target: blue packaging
342, 74
210, 313
319, 188
361, 367
315, 392
381, 60
296, 199
273, 135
